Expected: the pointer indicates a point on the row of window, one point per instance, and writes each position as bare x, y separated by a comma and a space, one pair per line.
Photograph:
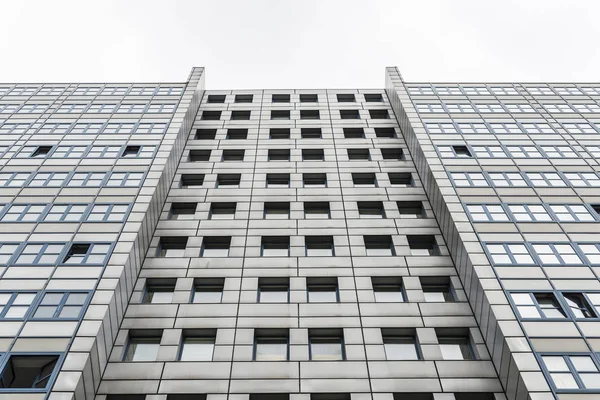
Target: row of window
285, 114
48, 254
77, 128
533, 212
524, 179
574, 128
279, 246
77, 151
84, 90
285, 133
303, 98
313, 396
12, 108
71, 179
513, 151
545, 254
363, 154
465, 107
313, 180
386, 289
64, 212
502, 90
550, 305
42, 305
281, 210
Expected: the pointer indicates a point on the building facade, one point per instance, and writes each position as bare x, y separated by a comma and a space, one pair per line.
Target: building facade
418, 242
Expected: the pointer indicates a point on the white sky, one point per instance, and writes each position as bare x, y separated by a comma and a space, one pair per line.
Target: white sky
301, 43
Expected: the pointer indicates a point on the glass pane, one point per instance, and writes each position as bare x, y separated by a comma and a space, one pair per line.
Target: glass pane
388, 297
434, 297
160, 297
70, 312
76, 298
590, 381
322, 296
555, 363
24, 298
583, 364
52, 298
197, 350
45, 312
271, 351
140, 351
16, 312
401, 351
273, 297
208, 297
326, 351
451, 352
564, 381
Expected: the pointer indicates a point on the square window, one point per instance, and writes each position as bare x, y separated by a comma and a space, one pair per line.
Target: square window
309, 98
228, 180
346, 98
310, 133
278, 180
401, 179
279, 133
273, 290
358, 154
455, 344
199, 155
225, 210
366, 179
216, 246
314, 180
277, 210
172, 246
313, 155
233, 155
275, 246
319, 246
237, 134
379, 245
215, 98
238, 115
423, 245
387, 289
190, 181
411, 209
159, 291
354, 133
326, 344
385, 132
322, 289
142, 345
436, 289
316, 210
278, 155
208, 290
373, 97
280, 98
349, 114
183, 211
197, 345
400, 344
371, 209
243, 98
28, 371
309, 114
271, 344
280, 114
211, 115
205, 134
379, 114
392, 154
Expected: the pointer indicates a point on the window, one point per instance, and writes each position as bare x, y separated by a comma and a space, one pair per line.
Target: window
216, 246
87, 253
65, 213
114, 91
326, 344
507, 179
132, 108
280, 114
69, 152
278, 155
111, 128
233, 155
142, 345
319, 246
222, 211
420, 396
309, 114
28, 371
322, 289
313, 155
216, 98
277, 210
400, 344
429, 108
501, 128
104, 152
349, 114
309, 98
529, 213
8, 108
486, 213
7, 251
401, 179
48, 128
199, 155
468, 127
345, 98
520, 108
579, 306
379, 245
387, 289
38, 253
538, 305
473, 396
278, 180
385, 132
559, 152
489, 152
280, 98
373, 97
189, 181
197, 345
102, 108
314, 180
411, 209
371, 209
354, 133
423, 245
583, 179
279, 133
40, 152
509, 254
60, 305
49, 179
587, 108
228, 180
33, 108
159, 291
273, 290
392, 154
366, 179
14, 179
310, 133
571, 213
211, 115
454, 151
556, 254
572, 372
183, 211
15, 305
243, 98
275, 246
379, 114
138, 152
579, 128
358, 154
205, 134
435, 127
172, 246
22, 128
124, 179
545, 179
237, 115
455, 344
316, 210
436, 289
271, 344
23, 213
208, 290
535, 129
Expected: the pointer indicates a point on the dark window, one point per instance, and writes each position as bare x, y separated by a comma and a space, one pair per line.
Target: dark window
379, 114
379, 245
311, 133
128, 397
309, 98
373, 97
280, 98
131, 151
423, 245
211, 115
42, 151
437, 288
192, 180
208, 290
240, 115
371, 209
279, 133
183, 210
278, 180
462, 151
313, 155
385, 132
392, 154
322, 289
354, 133
172, 246
233, 155
185, 397
277, 210
271, 345
216, 246
326, 344
275, 246
28, 371
228, 179
314, 180
349, 114
309, 114
474, 396
455, 344
159, 291
317, 209
410, 209
319, 246
280, 114
358, 154
77, 251
269, 396
237, 133
596, 208
216, 98
199, 155
364, 179
278, 154
222, 210
579, 306
346, 98
330, 396
244, 98
414, 396
206, 134
387, 289
400, 178
273, 290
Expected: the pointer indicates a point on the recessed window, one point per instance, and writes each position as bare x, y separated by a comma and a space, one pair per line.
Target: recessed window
142, 345
358, 154
233, 155
237, 134
190, 181
371, 209
244, 98
28, 371
159, 291
462, 151
174, 397
216, 98
277, 210
280, 114
222, 210
330, 396
313, 155
346, 98
319, 246
401, 179
309, 98
271, 344
182, 211
280, 98
273, 290
400, 344
310, 133
279, 133
309, 114
41, 152
385, 132
199, 155
423, 245
228, 180
238, 115
278, 180
387, 289
208, 290
365, 179
420, 396
349, 114
538, 305
474, 396
216, 246
317, 210
326, 344
436, 289
579, 306
197, 345
455, 344
278, 155
172, 246
392, 154
206, 134
275, 246
410, 209
314, 180
322, 289
373, 97
131, 397
268, 396
354, 133
379, 114
379, 245
211, 115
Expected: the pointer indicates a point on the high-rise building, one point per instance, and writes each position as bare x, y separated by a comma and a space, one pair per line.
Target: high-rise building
420, 242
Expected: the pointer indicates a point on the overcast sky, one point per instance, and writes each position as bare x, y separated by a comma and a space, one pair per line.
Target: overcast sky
301, 43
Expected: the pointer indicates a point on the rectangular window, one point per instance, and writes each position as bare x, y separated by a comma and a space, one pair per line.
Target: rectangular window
454, 151
387, 289
371, 209
509, 254
199, 155
316, 210
346, 98
271, 344
559, 152
138, 152
197, 345
354, 133
208, 290
69, 152
309, 114
358, 154
48, 179
411, 209
183, 211
437, 289
216, 98
326, 344
7, 250
15, 305
538, 305
238, 115
60, 305
142, 345
556, 254
373, 97
379, 114
572, 372
529, 213
524, 152
280, 98
423, 245
379, 245
229, 180
28, 371
385, 132
172, 246
275, 246
392, 154
349, 114
87, 253
571, 213
190, 181
278, 155
400, 344
237, 134
583, 179
273, 290
310, 133
545, 179
313, 155
216, 246
579, 305
366, 179
436, 128
159, 291
205, 134
211, 115
65, 213
104, 152
279, 133
314, 180
309, 98
280, 114
506, 179
38, 253
319, 246
125, 179
455, 344
243, 98
23, 213
233, 155
486, 213
322, 289
277, 210
403, 179
222, 210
